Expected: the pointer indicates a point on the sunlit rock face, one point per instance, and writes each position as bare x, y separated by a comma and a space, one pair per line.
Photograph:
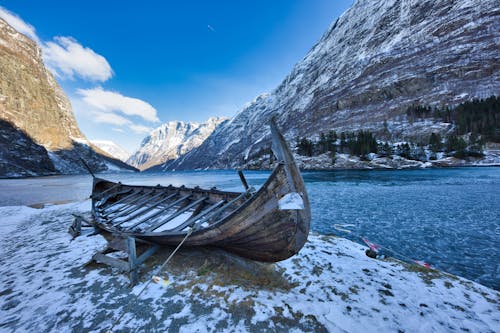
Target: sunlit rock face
30, 98
34, 105
374, 61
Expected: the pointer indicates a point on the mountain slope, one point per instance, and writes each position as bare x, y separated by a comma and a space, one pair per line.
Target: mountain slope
171, 140
378, 58
112, 149
34, 105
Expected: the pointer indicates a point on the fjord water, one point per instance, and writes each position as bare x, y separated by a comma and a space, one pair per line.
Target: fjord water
449, 218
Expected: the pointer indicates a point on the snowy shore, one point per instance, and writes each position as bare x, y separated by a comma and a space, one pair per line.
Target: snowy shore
331, 285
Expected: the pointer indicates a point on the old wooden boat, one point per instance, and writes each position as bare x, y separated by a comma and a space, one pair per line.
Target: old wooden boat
270, 224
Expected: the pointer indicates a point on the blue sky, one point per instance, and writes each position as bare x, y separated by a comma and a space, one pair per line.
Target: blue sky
129, 66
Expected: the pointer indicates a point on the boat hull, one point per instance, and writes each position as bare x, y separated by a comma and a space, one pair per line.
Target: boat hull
262, 225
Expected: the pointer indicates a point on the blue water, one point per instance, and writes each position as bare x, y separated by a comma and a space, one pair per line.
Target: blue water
449, 218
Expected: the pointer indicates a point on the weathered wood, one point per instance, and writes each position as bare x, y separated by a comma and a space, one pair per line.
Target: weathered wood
177, 213
101, 194
110, 261
102, 204
132, 260
131, 203
146, 209
201, 215
149, 218
243, 180
75, 229
148, 253
135, 207
250, 224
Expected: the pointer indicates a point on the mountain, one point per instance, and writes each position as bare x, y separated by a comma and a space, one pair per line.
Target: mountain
171, 140
36, 119
375, 61
112, 149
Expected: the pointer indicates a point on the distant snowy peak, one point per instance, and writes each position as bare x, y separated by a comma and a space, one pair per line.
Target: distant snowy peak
112, 149
171, 140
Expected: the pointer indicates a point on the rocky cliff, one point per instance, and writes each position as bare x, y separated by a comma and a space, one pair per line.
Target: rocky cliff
34, 105
171, 140
377, 59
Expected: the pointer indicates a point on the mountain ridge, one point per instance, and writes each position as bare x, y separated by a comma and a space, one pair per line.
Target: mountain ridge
171, 140
374, 61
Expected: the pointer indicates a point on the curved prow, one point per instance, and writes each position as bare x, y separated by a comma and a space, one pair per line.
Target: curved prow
284, 155
294, 178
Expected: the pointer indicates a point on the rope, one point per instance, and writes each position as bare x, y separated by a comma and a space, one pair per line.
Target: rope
190, 231
365, 240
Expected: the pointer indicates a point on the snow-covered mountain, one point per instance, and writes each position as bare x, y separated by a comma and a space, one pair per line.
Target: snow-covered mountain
374, 61
112, 149
171, 140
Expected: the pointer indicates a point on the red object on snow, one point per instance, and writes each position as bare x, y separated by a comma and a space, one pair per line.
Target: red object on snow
374, 247
422, 263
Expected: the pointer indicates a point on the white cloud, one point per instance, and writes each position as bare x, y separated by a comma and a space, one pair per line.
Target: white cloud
117, 120
110, 118
67, 58
110, 101
139, 129
64, 56
18, 23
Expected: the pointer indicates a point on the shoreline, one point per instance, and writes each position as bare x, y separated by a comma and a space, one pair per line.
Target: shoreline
330, 285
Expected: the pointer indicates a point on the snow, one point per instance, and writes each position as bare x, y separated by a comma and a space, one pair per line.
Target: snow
171, 140
331, 285
112, 148
291, 201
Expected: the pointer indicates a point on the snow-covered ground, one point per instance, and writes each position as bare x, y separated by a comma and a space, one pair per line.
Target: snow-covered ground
331, 285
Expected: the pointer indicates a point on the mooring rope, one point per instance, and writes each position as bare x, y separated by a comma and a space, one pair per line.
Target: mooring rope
190, 231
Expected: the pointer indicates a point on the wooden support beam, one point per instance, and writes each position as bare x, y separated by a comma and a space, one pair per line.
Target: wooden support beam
136, 206
101, 194
179, 212
243, 180
128, 204
221, 209
148, 253
134, 193
132, 261
159, 212
130, 266
202, 215
147, 209
110, 261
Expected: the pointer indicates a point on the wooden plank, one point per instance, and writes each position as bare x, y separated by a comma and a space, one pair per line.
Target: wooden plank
147, 209
132, 260
148, 253
131, 195
223, 208
136, 206
127, 205
179, 212
116, 202
160, 211
101, 194
118, 244
113, 262
199, 216
243, 180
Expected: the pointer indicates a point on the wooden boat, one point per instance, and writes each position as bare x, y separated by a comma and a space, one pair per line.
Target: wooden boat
270, 224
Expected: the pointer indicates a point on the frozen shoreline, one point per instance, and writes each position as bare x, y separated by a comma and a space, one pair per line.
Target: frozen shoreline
329, 286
